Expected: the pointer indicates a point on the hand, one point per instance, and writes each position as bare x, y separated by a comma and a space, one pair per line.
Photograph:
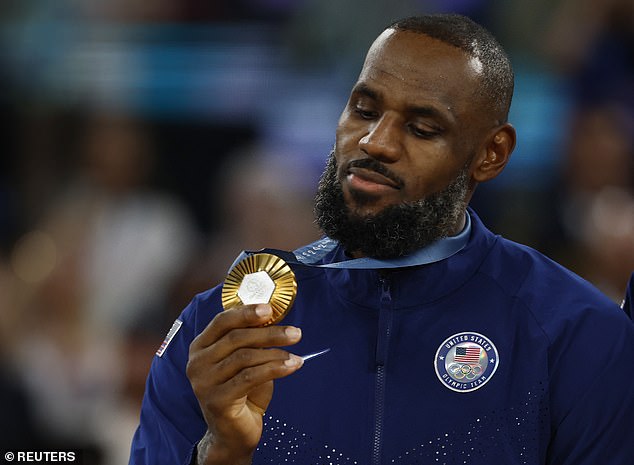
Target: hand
231, 367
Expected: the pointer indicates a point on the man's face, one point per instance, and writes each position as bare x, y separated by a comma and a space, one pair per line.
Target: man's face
411, 110
404, 143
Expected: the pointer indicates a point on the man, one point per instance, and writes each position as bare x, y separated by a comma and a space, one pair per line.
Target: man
440, 342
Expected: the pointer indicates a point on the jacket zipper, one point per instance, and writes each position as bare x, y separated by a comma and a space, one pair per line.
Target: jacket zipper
382, 343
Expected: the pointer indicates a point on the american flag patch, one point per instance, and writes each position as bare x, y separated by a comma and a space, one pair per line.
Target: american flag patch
170, 335
467, 354
466, 361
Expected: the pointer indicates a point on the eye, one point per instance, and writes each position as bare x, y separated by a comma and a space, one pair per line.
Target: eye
365, 113
418, 131
364, 109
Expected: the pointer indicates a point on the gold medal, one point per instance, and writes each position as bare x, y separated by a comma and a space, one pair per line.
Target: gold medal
261, 278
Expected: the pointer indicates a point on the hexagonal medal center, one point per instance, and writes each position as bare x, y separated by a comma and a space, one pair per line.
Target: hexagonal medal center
256, 288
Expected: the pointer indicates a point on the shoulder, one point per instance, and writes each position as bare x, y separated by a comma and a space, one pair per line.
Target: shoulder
536, 279
526, 274
555, 296
202, 309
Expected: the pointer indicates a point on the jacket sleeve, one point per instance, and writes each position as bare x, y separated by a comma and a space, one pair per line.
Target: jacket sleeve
171, 422
628, 301
594, 380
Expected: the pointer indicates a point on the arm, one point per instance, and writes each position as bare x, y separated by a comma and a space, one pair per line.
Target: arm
206, 453
595, 382
232, 365
172, 422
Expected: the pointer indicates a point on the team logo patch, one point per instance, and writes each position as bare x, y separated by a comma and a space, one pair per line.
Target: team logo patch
466, 361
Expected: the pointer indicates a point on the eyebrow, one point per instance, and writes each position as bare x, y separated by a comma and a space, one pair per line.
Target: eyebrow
418, 110
365, 90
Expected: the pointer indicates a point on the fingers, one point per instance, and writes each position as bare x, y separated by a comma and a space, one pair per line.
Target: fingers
243, 316
244, 358
249, 378
220, 386
245, 367
234, 353
270, 336
241, 327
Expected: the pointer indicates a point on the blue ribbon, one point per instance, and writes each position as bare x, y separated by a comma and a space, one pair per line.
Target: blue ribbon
309, 255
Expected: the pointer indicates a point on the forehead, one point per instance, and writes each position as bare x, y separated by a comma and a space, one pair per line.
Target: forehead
415, 66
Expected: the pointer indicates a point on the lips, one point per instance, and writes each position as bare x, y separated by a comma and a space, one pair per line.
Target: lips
367, 178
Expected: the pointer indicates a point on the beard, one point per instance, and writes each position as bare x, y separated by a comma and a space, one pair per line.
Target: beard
395, 231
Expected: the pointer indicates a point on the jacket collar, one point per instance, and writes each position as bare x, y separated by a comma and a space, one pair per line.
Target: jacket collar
413, 285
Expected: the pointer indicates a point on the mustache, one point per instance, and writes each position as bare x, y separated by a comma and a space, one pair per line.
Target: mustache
375, 165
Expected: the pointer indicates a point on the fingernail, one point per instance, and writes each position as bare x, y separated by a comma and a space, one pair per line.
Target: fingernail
262, 310
293, 332
293, 361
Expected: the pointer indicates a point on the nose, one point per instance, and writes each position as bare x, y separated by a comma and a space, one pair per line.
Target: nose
382, 141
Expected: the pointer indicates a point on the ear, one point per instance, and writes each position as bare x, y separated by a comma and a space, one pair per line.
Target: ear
495, 154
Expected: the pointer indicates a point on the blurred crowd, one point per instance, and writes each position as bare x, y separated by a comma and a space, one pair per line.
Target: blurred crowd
147, 143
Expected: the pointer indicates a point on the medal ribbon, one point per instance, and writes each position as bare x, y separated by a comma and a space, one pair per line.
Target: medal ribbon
312, 253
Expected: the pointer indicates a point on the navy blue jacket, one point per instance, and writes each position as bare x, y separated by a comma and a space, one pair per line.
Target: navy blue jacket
628, 301
496, 355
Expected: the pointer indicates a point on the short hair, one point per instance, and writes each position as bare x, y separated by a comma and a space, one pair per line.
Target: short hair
497, 80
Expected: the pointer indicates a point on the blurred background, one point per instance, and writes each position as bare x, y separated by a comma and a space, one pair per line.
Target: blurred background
144, 144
